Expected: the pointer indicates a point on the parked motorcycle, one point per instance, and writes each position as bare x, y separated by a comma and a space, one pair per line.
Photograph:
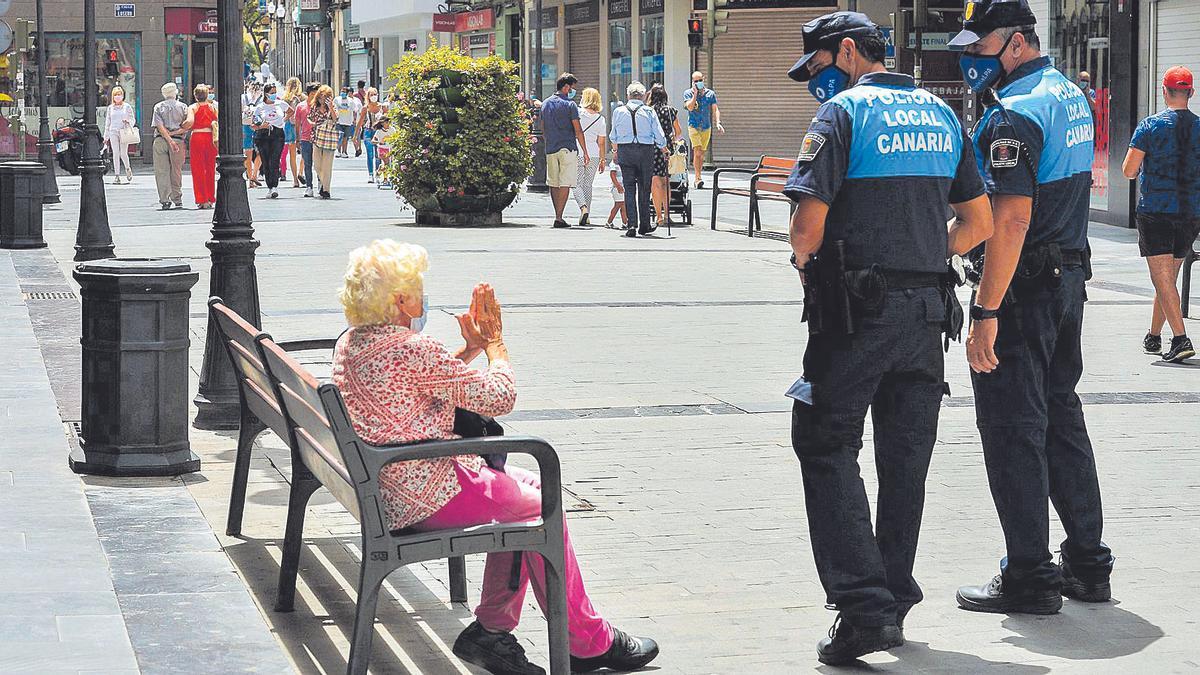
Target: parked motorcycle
68, 146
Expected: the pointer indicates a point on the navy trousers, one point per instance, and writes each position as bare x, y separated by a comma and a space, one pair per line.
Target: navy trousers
892, 365
637, 168
1035, 442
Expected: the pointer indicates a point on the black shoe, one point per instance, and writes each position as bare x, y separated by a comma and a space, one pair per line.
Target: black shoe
583, 219
165, 206
325, 195
559, 224
1181, 349
647, 229
1077, 589
699, 185
179, 205
498, 653
631, 232
626, 653
992, 598
1152, 344
847, 642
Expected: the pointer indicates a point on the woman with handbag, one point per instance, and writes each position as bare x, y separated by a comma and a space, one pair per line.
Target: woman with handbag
120, 132
202, 120
660, 186
323, 117
595, 132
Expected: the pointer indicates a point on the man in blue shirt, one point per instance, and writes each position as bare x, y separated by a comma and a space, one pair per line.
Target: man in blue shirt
563, 136
703, 117
1165, 151
878, 166
637, 135
1035, 148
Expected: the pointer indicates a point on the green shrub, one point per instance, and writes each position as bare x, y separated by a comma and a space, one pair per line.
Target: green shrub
485, 152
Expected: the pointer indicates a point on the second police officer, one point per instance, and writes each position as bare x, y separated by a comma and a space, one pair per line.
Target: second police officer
877, 167
1035, 150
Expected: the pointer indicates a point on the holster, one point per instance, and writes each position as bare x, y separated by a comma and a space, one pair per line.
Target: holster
827, 304
1040, 267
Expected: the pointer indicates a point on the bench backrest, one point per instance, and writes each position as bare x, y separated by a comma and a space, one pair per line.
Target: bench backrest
776, 170
319, 420
254, 385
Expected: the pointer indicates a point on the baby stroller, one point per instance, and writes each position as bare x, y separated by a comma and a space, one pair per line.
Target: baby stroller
677, 198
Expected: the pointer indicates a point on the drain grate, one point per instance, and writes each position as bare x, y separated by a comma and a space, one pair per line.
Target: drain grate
49, 295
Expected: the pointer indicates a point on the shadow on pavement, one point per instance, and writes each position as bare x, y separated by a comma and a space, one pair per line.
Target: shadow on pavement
316, 634
1083, 633
918, 657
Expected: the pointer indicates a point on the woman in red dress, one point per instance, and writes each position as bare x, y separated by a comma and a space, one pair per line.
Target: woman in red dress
202, 120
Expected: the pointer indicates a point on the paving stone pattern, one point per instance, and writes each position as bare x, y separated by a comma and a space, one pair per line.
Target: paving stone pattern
657, 367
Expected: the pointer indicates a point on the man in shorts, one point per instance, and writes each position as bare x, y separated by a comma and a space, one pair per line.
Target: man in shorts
563, 136
703, 117
343, 106
1165, 152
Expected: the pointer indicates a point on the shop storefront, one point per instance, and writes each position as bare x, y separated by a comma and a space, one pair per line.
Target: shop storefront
191, 47
583, 42
548, 70
476, 33
620, 49
653, 41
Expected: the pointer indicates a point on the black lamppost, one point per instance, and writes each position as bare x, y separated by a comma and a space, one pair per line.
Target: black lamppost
45, 142
93, 238
232, 277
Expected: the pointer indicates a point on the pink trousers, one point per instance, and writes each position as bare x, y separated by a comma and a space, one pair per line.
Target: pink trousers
515, 496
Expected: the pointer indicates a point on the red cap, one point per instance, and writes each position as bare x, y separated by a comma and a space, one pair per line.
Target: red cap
1178, 77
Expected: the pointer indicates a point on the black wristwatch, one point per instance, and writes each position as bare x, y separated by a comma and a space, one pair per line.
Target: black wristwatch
981, 313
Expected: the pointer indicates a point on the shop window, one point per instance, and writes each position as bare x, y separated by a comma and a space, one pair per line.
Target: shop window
652, 63
620, 59
1078, 42
549, 70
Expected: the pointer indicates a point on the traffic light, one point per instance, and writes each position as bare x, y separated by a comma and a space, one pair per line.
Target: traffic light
695, 33
110, 62
715, 18
24, 36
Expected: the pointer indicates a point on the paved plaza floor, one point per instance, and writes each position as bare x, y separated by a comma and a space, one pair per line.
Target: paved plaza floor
657, 368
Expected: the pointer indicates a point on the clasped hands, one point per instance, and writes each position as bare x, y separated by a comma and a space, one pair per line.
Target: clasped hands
482, 325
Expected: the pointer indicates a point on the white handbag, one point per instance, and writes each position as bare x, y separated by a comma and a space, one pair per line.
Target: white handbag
130, 136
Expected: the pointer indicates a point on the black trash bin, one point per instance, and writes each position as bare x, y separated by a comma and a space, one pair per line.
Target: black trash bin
135, 368
21, 186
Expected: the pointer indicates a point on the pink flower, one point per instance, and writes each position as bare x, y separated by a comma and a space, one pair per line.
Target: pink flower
451, 189
507, 139
425, 151
404, 167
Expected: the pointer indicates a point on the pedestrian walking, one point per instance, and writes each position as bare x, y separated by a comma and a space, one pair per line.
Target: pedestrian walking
563, 136
660, 185
870, 240
703, 117
361, 92
169, 117
637, 135
305, 134
251, 97
202, 146
322, 115
1165, 153
269, 120
293, 94
368, 119
1034, 146
117, 123
344, 105
618, 195
594, 128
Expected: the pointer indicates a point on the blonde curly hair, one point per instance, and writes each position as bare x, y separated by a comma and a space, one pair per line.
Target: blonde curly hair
377, 274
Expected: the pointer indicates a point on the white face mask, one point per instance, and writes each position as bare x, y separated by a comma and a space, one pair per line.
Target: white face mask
418, 322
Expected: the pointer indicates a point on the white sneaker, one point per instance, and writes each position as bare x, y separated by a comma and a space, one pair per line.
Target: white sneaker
274, 194
117, 180
308, 192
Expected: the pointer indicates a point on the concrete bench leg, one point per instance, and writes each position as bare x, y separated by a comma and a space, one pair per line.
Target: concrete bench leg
248, 430
303, 486
458, 579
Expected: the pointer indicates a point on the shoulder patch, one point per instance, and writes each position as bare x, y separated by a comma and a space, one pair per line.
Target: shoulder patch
813, 142
1005, 153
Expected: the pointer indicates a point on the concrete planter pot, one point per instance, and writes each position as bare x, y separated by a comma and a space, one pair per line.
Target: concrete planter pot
462, 210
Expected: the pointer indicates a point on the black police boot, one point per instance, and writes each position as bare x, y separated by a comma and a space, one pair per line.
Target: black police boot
1085, 591
992, 597
626, 653
1152, 344
497, 653
847, 642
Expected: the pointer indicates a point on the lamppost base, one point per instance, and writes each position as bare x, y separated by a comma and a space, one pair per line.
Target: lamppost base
114, 463
217, 411
93, 238
50, 185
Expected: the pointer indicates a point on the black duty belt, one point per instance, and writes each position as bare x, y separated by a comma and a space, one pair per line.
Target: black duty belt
902, 280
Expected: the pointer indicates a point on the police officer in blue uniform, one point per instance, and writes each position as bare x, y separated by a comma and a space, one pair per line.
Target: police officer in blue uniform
1034, 147
877, 168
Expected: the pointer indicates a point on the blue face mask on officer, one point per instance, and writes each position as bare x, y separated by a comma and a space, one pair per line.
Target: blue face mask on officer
829, 82
827, 34
981, 71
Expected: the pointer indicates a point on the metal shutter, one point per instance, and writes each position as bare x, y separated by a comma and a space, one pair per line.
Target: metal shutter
360, 69
763, 112
1177, 23
583, 55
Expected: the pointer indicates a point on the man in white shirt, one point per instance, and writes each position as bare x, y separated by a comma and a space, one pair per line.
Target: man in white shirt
343, 105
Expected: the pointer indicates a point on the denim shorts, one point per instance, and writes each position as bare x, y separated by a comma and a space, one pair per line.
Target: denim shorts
247, 137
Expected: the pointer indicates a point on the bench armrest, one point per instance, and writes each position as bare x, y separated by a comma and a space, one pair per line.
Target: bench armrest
540, 450
717, 174
325, 344
765, 174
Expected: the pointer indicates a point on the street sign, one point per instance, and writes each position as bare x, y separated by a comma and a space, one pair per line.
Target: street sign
310, 5
889, 62
930, 42
124, 10
889, 42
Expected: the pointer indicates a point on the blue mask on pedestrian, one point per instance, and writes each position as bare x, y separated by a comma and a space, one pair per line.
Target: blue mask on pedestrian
418, 322
571, 95
830, 82
981, 71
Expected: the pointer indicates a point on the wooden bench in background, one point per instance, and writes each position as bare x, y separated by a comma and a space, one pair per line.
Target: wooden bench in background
767, 181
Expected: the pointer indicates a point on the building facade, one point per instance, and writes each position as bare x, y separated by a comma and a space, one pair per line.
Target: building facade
140, 46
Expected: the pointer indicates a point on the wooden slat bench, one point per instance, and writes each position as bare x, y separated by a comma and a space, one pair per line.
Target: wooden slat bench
767, 181
324, 441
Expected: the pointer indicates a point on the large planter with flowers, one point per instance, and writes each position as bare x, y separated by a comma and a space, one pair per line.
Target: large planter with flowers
460, 141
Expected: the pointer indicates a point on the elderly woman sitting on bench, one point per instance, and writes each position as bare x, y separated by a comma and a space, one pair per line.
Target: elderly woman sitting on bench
400, 386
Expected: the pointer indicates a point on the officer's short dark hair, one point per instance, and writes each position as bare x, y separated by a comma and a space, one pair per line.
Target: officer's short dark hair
566, 79
872, 46
1029, 32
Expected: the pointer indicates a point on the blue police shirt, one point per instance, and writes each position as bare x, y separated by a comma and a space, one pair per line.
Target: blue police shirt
887, 158
1047, 116
700, 118
558, 115
1170, 175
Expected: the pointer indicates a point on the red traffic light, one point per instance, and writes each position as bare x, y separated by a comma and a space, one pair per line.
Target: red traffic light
110, 55
695, 26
